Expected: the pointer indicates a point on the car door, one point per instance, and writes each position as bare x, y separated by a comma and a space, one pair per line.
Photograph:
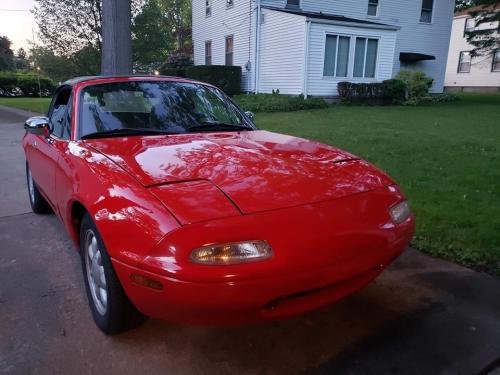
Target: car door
47, 150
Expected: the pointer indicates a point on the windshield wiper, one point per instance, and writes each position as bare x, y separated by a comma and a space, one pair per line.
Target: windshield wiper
217, 126
124, 132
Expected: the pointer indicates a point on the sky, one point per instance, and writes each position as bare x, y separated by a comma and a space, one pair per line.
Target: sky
17, 23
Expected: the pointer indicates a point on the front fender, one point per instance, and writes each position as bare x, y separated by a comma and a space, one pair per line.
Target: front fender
129, 218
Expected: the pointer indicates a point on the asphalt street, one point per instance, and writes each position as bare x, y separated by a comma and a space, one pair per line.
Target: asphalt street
422, 316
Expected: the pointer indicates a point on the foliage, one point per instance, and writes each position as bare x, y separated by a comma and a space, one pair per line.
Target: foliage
392, 91
278, 103
173, 72
444, 159
227, 78
484, 37
6, 54
178, 15
60, 67
417, 85
151, 37
179, 59
25, 84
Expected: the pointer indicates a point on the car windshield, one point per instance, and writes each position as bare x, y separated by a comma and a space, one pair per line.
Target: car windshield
157, 107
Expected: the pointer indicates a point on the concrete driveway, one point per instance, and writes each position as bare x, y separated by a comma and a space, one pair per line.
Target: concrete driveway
422, 316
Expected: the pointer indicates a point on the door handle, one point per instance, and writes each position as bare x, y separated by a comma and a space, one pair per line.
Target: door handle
34, 144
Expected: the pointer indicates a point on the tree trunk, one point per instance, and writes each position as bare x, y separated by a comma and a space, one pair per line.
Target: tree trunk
116, 38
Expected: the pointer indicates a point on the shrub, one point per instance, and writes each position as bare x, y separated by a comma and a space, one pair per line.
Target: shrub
25, 84
278, 103
227, 78
393, 91
417, 84
174, 72
361, 93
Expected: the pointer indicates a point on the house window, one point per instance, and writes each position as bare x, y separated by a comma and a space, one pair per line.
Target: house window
293, 3
208, 8
373, 8
365, 57
426, 13
208, 52
464, 62
229, 50
495, 66
336, 56
229, 4
470, 25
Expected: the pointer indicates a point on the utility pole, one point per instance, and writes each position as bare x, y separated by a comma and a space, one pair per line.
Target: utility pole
116, 38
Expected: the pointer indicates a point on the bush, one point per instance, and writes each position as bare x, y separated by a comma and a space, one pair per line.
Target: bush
173, 72
278, 103
393, 92
417, 85
227, 78
25, 84
361, 93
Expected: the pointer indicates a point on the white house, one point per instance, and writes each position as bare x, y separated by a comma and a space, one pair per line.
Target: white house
308, 46
466, 73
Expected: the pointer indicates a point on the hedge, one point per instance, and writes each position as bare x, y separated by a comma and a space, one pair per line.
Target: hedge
392, 91
25, 84
227, 78
278, 103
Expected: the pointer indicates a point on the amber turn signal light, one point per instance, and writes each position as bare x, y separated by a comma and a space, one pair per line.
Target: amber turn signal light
146, 282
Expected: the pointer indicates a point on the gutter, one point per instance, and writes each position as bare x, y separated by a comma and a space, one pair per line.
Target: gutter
354, 24
306, 59
257, 47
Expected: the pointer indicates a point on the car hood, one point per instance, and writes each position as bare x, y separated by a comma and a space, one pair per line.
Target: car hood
256, 170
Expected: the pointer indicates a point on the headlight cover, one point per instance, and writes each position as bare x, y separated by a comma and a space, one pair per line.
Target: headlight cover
232, 253
400, 212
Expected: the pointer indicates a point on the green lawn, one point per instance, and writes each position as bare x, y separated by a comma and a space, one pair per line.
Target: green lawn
31, 104
446, 157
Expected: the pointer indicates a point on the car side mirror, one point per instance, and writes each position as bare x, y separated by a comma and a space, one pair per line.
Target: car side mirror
38, 125
250, 115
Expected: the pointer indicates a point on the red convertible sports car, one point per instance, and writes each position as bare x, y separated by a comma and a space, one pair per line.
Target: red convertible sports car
184, 210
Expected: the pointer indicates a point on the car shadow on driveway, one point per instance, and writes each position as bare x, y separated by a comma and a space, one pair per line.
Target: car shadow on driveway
423, 315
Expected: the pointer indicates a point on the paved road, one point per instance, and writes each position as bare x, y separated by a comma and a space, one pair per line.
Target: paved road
421, 316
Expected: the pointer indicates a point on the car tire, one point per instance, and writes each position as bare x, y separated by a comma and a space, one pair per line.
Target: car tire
111, 309
37, 202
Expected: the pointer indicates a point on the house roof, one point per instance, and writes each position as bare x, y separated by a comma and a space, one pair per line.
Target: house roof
478, 8
329, 17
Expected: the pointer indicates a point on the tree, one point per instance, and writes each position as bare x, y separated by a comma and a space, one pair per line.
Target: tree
462, 5
151, 37
485, 38
21, 53
67, 26
6, 54
178, 14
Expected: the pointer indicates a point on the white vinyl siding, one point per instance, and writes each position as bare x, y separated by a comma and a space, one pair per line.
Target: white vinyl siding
413, 36
282, 51
236, 21
481, 72
319, 84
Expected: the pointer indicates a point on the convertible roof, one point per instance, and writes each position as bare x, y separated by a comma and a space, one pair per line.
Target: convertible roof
76, 80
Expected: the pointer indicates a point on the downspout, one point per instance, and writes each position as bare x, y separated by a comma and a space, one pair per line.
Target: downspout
257, 46
306, 59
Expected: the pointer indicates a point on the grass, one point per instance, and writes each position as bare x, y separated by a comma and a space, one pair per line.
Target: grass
277, 103
40, 105
446, 157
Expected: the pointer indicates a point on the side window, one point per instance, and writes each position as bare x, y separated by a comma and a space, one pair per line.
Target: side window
59, 115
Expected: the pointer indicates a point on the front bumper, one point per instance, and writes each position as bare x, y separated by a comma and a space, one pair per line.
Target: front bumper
322, 253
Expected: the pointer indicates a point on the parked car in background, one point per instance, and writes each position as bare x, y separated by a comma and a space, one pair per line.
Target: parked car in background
182, 209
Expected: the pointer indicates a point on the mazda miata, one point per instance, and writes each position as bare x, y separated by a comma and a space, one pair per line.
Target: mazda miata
182, 209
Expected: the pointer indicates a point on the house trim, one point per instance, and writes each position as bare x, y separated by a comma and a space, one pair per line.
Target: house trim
306, 58
355, 24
